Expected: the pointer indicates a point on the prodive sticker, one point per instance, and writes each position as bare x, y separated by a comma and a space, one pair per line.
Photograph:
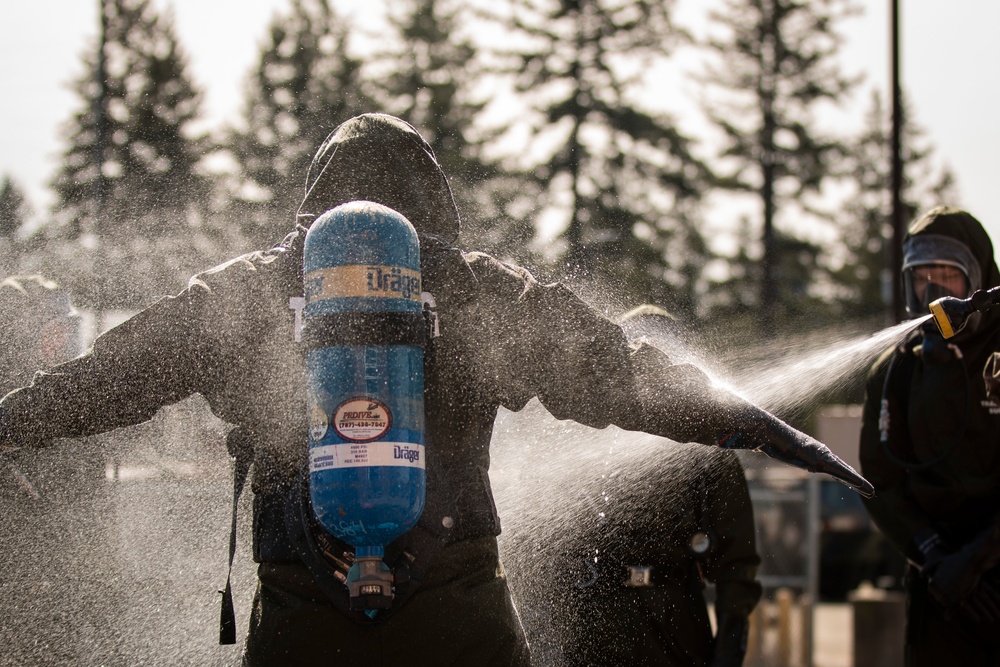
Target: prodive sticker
362, 419
362, 454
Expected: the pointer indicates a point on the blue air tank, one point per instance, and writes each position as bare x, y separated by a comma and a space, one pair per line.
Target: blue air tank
364, 332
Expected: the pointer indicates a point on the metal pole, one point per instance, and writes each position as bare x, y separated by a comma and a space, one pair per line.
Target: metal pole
898, 228
811, 597
768, 92
100, 120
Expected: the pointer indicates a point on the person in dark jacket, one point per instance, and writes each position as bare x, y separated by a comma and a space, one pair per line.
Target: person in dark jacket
639, 597
929, 444
501, 338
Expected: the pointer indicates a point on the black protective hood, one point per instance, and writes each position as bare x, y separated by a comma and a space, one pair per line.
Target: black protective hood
380, 158
955, 225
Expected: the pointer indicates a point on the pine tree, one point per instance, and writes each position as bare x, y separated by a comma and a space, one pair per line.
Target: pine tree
127, 225
427, 76
130, 166
14, 207
775, 68
14, 214
620, 177
305, 84
728, 309
866, 228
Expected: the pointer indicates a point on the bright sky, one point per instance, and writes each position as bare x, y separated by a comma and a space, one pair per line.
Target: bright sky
947, 57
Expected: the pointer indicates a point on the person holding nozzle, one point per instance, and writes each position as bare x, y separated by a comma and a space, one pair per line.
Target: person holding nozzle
492, 336
667, 526
929, 445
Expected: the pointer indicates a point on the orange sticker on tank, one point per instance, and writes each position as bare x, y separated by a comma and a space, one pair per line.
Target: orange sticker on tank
362, 280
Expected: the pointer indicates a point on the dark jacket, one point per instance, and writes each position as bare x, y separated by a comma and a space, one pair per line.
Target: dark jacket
940, 468
230, 337
504, 338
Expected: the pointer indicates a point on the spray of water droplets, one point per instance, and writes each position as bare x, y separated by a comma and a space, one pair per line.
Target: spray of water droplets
558, 483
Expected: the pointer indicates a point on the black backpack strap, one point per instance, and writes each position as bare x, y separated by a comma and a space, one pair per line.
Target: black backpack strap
242, 453
894, 438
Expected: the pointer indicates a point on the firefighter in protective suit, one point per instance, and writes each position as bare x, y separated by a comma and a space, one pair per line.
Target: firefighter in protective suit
640, 600
499, 338
639, 594
929, 444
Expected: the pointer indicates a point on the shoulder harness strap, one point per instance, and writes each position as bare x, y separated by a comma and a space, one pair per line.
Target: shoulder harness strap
241, 452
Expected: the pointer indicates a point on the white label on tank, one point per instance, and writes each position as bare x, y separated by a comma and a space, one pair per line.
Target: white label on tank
360, 454
318, 423
362, 419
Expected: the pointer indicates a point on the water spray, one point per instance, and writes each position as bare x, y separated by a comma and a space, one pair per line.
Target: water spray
951, 313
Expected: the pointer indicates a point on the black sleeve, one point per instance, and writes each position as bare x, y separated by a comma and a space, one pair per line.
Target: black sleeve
545, 341
132, 370
894, 509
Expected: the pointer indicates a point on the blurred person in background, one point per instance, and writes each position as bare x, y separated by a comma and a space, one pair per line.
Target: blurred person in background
929, 444
46, 581
667, 526
39, 328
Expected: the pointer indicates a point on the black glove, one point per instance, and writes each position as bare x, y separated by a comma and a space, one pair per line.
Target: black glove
730, 641
761, 431
956, 577
932, 550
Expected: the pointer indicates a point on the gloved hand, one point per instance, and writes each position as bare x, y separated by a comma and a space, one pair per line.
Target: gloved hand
956, 579
761, 431
978, 601
932, 550
991, 377
730, 641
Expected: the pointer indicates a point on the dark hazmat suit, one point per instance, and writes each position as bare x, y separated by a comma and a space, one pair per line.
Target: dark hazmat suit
503, 338
668, 524
638, 594
929, 445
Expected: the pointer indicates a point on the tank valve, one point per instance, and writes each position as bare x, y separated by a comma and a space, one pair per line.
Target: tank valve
370, 581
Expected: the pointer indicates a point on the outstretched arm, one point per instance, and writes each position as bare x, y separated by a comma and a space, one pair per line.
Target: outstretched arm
131, 371
549, 343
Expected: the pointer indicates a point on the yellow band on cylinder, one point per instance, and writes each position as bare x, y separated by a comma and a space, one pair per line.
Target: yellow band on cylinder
359, 280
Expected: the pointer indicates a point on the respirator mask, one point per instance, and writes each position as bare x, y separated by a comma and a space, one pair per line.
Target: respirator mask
936, 266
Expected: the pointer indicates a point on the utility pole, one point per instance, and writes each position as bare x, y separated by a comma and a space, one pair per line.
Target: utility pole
767, 93
96, 224
895, 255
100, 117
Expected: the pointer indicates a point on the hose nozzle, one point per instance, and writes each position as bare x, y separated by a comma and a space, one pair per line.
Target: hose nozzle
951, 313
